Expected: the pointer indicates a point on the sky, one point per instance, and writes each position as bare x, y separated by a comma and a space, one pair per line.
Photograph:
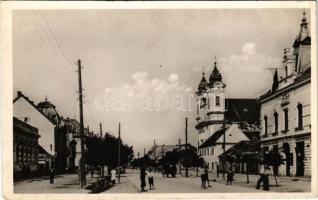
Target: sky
142, 67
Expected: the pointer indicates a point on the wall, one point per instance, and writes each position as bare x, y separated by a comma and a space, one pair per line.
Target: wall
22, 109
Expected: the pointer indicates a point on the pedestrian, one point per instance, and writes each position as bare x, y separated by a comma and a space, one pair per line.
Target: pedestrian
52, 175
264, 172
143, 178
266, 179
113, 176
206, 175
202, 174
150, 179
230, 176
92, 172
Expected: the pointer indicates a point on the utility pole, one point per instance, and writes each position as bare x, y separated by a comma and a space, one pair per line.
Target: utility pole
179, 152
101, 137
186, 143
223, 163
154, 150
82, 160
101, 130
119, 140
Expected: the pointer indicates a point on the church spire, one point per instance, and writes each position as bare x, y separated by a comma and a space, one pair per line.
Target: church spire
215, 75
304, 32
203, 83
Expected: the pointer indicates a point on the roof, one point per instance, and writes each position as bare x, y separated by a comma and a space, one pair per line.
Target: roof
305, 75
25, 127
252, 134
203, 83
241, 148
213, 138
20, 95
215, 76
242, 110
43, 151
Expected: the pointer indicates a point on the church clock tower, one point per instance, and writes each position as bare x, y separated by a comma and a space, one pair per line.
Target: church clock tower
210, 104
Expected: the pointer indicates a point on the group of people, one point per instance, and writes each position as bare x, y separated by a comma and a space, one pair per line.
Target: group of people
150, 176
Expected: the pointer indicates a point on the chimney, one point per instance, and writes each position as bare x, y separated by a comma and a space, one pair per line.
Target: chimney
19, 93
26, 120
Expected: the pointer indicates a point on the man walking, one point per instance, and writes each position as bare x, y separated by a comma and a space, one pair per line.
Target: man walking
51, 175
143, 178
206, 175
264, 172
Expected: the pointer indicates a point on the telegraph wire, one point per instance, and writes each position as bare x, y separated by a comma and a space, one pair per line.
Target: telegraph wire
42, 52
44, 36
57, 41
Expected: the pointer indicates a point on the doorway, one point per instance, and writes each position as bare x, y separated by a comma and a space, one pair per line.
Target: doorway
300, 155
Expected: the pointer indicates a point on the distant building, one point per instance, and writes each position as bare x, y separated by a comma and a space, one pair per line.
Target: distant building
218, 116
73, 143
25, 149
25, 110
158, 151
286, 108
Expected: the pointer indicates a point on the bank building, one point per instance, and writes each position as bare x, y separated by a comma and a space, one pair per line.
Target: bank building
285, 108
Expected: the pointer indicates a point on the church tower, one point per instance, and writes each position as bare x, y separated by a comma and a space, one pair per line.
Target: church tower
210, 104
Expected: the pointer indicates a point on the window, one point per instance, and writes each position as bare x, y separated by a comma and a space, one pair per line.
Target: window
17, 154
212, 151
286, 119
217, 101
212, 166
265, 125
300, 116
276, 122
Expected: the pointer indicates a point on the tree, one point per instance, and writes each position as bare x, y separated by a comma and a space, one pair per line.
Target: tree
104, 151
274, 159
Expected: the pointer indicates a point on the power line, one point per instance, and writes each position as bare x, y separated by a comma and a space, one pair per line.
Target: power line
57, 41
67, 74
42, 52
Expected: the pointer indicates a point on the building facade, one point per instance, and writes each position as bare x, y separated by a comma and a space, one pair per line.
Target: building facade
25, 149
285, 109
25, 110
218, 116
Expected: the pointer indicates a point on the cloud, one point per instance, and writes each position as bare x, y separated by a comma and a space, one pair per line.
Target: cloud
249, 48
173, 77
250, 65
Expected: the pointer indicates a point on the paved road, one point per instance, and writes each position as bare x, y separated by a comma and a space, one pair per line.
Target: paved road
131, 184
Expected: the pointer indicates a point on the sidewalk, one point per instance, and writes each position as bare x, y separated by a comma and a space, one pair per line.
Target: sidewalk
285, 184
64, 184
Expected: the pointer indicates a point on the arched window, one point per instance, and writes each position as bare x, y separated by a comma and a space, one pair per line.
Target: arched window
276, 122
300, 116
217, 100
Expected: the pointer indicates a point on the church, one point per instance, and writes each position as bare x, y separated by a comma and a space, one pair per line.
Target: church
222, 122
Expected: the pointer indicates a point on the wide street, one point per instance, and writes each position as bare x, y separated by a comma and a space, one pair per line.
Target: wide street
130, 183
